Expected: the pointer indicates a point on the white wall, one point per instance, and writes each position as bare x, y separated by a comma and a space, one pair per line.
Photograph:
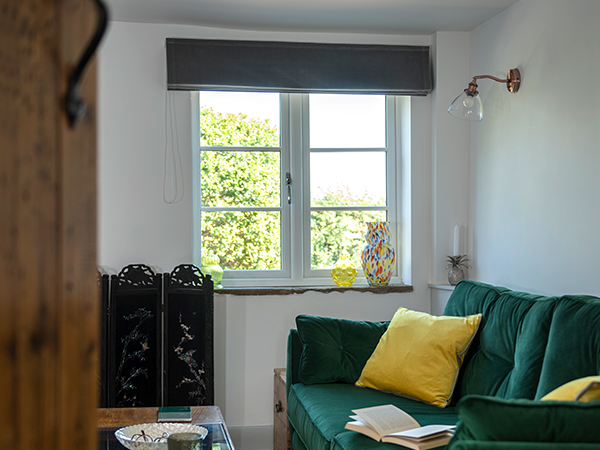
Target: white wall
535, 158
135, 225
450, 151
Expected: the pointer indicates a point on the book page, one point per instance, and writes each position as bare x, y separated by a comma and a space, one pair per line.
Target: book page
386, 419
361, 427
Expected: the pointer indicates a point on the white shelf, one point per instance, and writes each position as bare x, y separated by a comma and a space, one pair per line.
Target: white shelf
441, 287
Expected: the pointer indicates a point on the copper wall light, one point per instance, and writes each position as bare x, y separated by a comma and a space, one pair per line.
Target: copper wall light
468, 104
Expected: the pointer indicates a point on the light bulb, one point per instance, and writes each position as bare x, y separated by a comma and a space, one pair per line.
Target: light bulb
468, 102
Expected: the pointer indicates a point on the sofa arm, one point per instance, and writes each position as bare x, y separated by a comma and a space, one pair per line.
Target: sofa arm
503, 445
493, 423
294, 350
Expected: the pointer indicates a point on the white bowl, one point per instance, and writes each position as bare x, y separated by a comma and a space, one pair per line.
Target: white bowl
130, 436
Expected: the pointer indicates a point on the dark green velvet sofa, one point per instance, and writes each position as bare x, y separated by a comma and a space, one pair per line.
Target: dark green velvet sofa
526, 346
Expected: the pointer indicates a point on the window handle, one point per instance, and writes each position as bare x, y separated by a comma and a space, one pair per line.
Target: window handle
288, 182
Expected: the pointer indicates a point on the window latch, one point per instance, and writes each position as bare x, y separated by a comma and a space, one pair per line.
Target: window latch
288, 182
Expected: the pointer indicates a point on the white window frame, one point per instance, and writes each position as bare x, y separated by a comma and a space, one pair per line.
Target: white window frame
295, 217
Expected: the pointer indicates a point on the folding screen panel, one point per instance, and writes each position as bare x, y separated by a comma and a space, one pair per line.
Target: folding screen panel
188, 344
134, 337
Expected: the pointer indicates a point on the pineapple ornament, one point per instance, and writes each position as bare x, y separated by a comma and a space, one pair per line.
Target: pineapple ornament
344, 272
457, 266
210, 266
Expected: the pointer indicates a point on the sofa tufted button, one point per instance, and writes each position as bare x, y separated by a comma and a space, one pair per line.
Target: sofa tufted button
341, 348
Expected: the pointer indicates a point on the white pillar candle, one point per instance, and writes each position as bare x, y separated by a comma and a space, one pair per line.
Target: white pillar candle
456, 240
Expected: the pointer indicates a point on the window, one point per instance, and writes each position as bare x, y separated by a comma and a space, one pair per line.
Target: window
284, 183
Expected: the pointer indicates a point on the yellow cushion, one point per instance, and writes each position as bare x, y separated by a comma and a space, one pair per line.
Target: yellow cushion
419, 356
583, 389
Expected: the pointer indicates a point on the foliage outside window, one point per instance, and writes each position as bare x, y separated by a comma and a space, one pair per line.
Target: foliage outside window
240, 179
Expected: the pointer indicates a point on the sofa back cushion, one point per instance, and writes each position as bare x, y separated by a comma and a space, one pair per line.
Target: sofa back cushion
335, 350
573, 348
505, 360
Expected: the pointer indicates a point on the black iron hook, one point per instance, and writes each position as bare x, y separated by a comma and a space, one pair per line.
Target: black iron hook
75, 106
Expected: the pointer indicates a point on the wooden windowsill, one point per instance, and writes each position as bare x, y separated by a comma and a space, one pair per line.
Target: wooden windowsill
284, 290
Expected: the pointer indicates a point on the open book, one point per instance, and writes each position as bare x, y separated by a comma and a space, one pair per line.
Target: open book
389, 423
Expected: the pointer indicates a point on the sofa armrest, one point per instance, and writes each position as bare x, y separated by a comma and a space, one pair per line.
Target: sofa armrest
503, 445
294, 350
494, 423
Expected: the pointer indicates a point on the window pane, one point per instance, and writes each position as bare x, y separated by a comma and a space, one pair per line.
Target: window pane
248, 240
347, 121
348, 179
333, 232
240, 178
239, 119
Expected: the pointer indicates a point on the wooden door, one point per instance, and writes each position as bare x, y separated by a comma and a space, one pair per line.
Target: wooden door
49, 304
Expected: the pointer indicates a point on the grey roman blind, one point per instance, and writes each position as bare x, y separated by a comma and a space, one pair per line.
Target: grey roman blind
200, 64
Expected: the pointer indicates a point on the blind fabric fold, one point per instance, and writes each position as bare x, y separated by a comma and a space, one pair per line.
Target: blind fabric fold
201, 64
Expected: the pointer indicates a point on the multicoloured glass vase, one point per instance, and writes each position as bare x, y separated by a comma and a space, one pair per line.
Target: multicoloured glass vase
378, 256
344, 272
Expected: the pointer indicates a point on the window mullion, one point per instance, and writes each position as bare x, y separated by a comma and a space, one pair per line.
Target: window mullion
286, 216
306, 210
240, 208
392, 173
196, 181
243, 149
297, 136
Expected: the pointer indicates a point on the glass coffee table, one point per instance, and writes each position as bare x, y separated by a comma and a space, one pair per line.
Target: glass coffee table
209, 417
216, 439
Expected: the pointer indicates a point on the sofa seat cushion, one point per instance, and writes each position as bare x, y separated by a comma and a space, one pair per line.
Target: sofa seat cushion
494, 419
319, 412
506, 357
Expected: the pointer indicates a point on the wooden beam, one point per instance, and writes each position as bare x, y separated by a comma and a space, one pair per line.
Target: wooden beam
48, 289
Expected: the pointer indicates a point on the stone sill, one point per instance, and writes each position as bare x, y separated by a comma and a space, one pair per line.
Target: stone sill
283, 290
441, 287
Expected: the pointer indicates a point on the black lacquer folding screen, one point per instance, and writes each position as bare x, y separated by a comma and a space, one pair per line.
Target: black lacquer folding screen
157, 338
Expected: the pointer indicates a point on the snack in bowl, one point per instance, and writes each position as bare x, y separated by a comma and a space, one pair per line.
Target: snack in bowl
153, 436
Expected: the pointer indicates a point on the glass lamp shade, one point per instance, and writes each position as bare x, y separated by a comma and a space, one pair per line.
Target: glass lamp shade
467, 107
